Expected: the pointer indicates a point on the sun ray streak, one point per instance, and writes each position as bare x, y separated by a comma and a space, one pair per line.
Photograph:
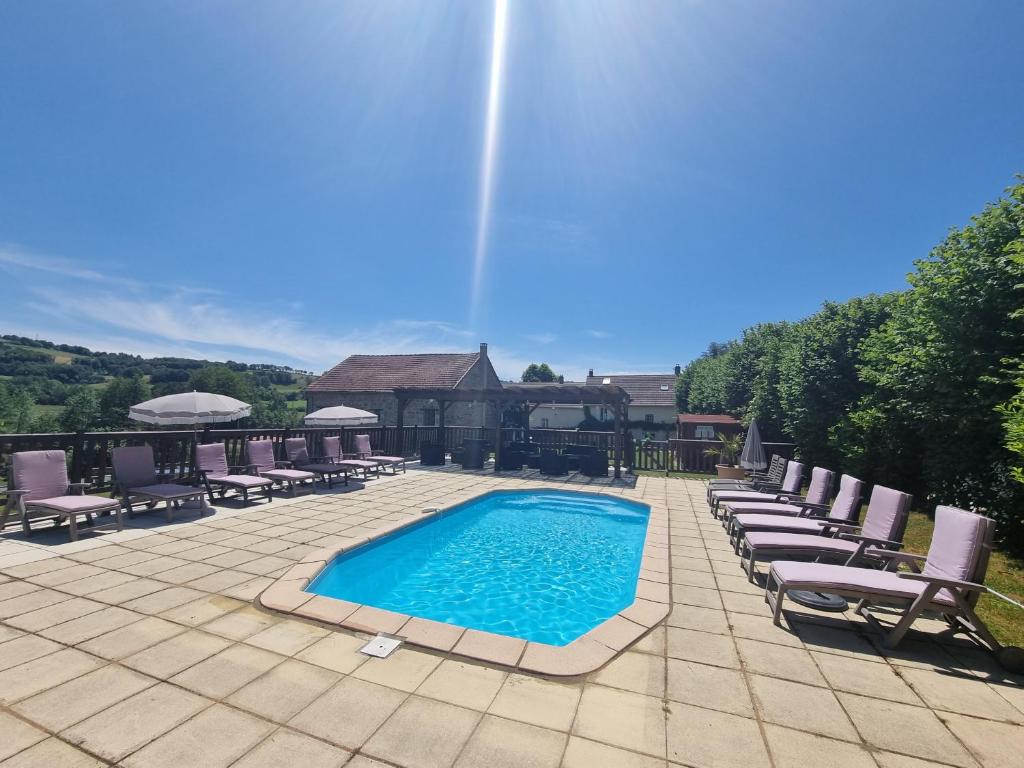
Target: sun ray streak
490, 148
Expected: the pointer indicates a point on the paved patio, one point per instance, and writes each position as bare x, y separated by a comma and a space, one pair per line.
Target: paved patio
143, 649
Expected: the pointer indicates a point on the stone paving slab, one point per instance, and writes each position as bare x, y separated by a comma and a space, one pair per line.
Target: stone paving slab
143, 648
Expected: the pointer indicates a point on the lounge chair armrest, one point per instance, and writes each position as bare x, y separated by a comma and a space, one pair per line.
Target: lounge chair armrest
246, 469
839, 525
792, 498
350, 456
965, 586
78, 489
766, 486
282, 465
880, 543
895, 559
16, 492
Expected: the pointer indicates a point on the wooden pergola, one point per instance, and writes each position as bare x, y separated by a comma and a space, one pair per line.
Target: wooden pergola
529, 396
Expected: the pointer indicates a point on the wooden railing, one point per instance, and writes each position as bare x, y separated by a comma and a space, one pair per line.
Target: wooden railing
89, 452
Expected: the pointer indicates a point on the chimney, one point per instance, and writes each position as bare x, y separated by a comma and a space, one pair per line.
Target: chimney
678, 370
590, 373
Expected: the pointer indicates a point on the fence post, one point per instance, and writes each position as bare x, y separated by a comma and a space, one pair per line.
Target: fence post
76, 457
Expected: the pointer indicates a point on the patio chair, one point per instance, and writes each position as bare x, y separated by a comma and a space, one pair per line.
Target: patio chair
298, 455
883, 529
774, 474
212, 463
135, 477
790, 486
365, 452
950, 582
818, 493
261, 458
39, 487
334, 453
553, 463
767, 516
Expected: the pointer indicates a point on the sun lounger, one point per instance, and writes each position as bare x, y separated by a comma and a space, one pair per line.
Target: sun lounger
135, 478
212, 463
298, 454
774, 474
760, 515
333, 452
791, 483
949, 583
817, 496
365, 452
883, 529
39, 487
261, 459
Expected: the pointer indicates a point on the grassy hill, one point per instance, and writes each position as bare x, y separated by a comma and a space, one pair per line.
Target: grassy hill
42, 375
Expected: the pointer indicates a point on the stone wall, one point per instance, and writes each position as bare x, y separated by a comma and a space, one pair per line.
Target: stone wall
458, 414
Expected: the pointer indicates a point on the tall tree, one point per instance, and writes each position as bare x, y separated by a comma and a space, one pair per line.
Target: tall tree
538, 372
221, 380
118, 396
81, 411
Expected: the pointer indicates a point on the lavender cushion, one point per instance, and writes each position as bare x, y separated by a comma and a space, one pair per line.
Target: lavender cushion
134, 466
887, 512
249, 481
74, 504
332, 447
212, 459
744, 496
296, 450
957, 543
294, 475
389, 459
166, 491
767, 540
763, 508
820, 485
845, 505
363, 445
777, 522
44, 474
825, 578
261, 454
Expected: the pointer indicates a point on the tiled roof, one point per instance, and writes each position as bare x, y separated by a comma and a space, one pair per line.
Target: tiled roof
706, 418
376, 373
643, 389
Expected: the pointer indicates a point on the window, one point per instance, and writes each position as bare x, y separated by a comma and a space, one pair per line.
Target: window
649, 418
429, 417
545, 423
703, 432
604, 414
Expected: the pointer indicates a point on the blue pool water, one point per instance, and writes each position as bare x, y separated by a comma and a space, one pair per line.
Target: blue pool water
545, 566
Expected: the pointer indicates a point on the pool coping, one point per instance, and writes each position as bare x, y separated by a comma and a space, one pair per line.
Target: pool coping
592, 650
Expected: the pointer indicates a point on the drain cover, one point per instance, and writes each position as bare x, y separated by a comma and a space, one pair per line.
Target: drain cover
381, 646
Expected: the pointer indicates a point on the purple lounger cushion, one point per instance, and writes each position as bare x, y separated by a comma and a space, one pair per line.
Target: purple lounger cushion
293, 475
769, 540
166, 491
774, 522
762, 508
842, 578
73, 504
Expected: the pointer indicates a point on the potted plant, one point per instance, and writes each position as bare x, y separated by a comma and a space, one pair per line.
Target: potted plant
730, 448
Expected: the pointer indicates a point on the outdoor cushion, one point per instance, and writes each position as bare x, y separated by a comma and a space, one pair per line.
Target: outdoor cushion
261, 455
820, 485
847, 500
44, 474
763, 508
824, 577
134, 466
212, 459
388, 459
777, 522
166, 491
956, 546
763, 540
74, 504
887, 514
249, 481
294, 475
745, 496
332, 450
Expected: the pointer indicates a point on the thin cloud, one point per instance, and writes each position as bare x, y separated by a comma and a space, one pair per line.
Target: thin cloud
540, 338
598, 334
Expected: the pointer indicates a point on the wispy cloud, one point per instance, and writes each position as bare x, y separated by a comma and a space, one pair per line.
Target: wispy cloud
598, 334
540, 338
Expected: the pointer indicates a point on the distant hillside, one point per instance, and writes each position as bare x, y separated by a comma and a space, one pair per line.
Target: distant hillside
38, 378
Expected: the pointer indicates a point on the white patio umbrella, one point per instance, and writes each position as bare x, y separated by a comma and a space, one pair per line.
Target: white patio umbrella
753, 450
339, 416
190, 408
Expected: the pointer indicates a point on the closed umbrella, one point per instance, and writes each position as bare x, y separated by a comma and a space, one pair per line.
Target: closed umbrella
752, 457
339, 416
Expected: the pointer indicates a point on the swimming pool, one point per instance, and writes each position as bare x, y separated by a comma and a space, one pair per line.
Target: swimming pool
545, 566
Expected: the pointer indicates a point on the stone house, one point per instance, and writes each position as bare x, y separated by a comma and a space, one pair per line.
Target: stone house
369, 381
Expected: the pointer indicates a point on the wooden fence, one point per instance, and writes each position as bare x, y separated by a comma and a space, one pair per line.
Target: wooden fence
89, 452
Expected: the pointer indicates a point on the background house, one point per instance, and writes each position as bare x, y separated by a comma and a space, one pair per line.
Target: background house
368, 382
652, 405
706, 426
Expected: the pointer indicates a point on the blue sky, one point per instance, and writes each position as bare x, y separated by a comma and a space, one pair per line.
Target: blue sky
295, 183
